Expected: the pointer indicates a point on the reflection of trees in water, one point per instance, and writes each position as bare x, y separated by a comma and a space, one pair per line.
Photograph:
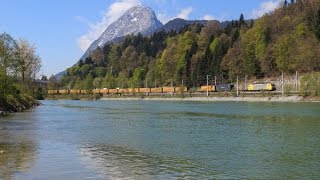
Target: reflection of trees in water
122, 163
15, 155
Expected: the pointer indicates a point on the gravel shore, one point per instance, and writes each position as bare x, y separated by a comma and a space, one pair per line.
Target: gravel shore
219, 99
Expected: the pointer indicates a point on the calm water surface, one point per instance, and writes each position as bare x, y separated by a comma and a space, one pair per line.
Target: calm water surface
161, 140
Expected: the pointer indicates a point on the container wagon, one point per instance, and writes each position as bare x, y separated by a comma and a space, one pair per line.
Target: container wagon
168, 89
209, 88
53, 91
156, 90
145, 90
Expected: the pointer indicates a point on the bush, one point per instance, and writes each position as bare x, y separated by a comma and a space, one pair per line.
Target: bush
309, 84
287, 89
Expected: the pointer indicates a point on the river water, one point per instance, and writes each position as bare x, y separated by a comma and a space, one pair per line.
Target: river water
161, 140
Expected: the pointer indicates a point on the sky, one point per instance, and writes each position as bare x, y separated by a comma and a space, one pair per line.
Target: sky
63, 29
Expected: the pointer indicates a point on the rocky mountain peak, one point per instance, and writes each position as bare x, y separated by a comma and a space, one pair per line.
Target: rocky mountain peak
138, 19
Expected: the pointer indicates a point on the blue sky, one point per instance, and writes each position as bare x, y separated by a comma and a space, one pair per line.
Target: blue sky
63, 29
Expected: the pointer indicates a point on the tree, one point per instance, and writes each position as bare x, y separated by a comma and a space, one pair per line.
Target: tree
241, 20
28, 63
6, 85
212, 28
80, 64
282, 53
97, 82
138, 77
53, 83
109, 81
8, 47
88, 83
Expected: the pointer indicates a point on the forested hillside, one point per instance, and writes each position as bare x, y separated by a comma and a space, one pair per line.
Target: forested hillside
284, 40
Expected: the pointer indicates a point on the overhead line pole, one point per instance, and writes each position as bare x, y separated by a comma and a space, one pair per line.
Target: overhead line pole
282, 82
208, 85
237, 85
297, 81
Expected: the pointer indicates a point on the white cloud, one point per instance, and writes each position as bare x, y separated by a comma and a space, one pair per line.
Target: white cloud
208, 17
164, 17
265, 7
184, 13
112, 13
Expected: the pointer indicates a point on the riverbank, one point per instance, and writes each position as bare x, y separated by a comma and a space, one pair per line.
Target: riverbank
11, 104
219, 99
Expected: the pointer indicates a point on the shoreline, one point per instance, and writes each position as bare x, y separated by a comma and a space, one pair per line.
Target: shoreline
216, 99
18, 105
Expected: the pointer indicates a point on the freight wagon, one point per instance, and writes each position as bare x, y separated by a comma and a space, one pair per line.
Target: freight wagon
224, 87
168, 89
145, 90
53, 91
209, 88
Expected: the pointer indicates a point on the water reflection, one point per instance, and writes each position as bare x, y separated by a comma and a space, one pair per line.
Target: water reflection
15, 157
115, 162
17, 150
161, 140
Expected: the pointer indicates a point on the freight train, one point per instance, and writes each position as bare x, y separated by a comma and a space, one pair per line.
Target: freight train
123, 91
210, 88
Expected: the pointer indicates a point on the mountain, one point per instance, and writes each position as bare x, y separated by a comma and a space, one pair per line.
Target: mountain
177, 24
138, 19
285, 40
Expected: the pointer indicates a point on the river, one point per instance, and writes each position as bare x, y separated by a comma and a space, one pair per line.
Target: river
161, 140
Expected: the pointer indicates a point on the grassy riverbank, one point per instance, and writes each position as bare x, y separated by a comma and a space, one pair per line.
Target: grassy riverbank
16, 103
218, 97
73, 97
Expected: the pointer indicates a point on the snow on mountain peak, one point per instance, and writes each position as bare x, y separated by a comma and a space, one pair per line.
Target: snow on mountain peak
138, 19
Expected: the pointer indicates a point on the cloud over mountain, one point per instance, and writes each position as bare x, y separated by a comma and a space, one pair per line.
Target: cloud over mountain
112, 13
265, 7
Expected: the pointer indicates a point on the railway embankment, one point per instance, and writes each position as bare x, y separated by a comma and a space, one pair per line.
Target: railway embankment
219, 99
10, 104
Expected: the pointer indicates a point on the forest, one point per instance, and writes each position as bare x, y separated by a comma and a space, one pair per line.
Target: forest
285, 40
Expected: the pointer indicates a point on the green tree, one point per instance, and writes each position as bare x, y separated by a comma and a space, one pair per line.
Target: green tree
241, 20
8, 48
137, 78
109, 81
282, 53
88, 83
97, 82
6, 85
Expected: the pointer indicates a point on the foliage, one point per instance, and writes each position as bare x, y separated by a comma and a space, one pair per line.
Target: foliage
309, 84
19, 68
284, 40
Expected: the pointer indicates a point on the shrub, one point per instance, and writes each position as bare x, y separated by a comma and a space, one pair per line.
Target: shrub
309, 84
